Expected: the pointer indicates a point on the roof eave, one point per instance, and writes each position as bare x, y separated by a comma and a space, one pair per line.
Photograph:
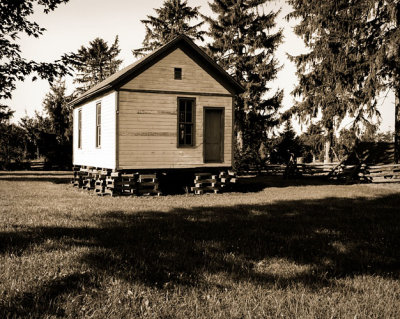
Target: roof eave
116, 83
238, 87
80, 100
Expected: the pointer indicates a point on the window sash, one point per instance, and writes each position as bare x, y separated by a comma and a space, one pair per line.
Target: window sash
80, 129
178, 73
98, 124
186, 110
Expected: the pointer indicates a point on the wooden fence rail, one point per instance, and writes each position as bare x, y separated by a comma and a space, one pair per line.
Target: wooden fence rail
383, 173
363, 172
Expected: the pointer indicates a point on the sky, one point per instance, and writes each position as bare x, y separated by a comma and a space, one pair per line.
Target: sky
78, 22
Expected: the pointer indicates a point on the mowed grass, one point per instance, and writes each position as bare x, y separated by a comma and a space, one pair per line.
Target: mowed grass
279, 250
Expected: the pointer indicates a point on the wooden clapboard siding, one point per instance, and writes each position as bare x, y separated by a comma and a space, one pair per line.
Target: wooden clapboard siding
148, 131
160, 76
89, 155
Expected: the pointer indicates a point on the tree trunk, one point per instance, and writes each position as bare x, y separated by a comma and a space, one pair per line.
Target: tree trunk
397, 98
327, 157
328, 145
239, 140
397, 126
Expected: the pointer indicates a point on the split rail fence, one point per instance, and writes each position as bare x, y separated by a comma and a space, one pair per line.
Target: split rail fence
368, 173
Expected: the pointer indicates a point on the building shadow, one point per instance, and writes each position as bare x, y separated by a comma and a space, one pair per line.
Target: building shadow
316, 240
62, 177
257, 183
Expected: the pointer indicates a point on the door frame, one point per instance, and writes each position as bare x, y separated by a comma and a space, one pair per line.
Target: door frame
222, 131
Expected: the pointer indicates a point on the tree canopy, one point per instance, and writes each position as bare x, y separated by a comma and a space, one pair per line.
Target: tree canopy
15, 20
172, 19
94, 63
243, 42
354, 55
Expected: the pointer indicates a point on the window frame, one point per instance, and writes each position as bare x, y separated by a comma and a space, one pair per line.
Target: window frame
177, 71
98, 124
193, 122
80, 128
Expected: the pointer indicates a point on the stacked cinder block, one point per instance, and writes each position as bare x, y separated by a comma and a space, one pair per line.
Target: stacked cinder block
209, 182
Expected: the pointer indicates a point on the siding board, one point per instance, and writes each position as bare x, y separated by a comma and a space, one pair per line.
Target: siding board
90, 155
148, 140
160, 76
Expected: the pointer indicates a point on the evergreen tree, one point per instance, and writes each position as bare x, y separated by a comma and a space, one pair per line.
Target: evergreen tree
172, 19
346, 142
59, 135
313, 141
286, 147
94, 63
56, 105
243, 43
354, 55
321, 69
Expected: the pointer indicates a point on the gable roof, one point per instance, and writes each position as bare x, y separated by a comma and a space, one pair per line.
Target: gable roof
119, 78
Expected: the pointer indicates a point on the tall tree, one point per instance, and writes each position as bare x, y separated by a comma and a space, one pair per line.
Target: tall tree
243, 43
286, 147
313, 141
94, 63
56, 105
354, 55
36, 128
172, 19
14, 17
321, 69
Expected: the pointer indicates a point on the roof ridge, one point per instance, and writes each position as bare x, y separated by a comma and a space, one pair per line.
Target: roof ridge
112, 81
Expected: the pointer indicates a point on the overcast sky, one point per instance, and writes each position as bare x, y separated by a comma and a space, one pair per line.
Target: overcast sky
80, 21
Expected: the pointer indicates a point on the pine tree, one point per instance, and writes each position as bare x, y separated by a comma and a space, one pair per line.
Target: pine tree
321, 71
354, 55
94, 63
243, 43
313, 140
56, 105
59, 134
172, 19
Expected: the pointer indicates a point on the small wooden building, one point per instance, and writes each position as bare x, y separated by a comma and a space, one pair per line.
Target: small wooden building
171, 109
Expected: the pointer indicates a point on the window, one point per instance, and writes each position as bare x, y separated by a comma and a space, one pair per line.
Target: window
98, 124
79, 128
178, 73
186, 109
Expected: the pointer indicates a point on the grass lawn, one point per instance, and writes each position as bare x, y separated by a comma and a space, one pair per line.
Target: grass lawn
288, 249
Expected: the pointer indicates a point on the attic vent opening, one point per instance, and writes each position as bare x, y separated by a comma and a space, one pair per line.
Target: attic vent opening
178, 73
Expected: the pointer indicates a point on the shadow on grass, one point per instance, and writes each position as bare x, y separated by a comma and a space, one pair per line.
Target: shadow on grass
36, 176
246, 184
45, 299
34, 173
305, 242
251, 184
55, 180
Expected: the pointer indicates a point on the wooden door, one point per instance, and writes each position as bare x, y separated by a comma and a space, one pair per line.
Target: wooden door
213, 135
